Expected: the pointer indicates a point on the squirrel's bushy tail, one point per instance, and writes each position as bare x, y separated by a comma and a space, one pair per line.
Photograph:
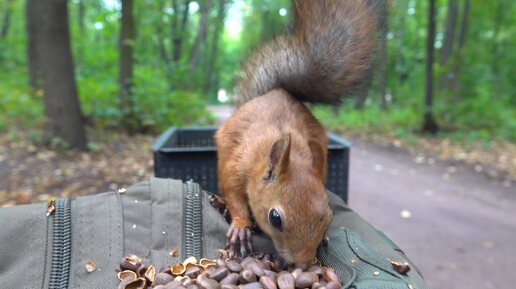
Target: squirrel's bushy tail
326, 54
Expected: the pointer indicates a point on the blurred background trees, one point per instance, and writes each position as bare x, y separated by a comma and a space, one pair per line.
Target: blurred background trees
140, 66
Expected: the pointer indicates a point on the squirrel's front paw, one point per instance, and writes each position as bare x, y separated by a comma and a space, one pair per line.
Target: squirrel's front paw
239, 233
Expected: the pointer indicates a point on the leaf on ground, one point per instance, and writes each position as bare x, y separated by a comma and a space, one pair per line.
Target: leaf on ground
32, 174
405, 214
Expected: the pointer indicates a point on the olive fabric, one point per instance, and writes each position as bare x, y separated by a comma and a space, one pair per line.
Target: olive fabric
151, 218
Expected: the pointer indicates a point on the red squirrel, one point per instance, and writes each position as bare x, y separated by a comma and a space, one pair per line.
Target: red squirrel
272, 152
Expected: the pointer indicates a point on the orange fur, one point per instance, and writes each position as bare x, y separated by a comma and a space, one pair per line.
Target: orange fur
272, 151
244, 144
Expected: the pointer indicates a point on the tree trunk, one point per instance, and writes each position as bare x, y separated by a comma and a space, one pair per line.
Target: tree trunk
81, 14
401, 69
164, 55
363, 90
127, 38
464, 24
6, 20
160, 34
454, 83
33, 20
213, 52
361, 96
429, 124
496, 52
178, 31
449, 34
267, 31
62, 108
448, 43
201, 36
382, 55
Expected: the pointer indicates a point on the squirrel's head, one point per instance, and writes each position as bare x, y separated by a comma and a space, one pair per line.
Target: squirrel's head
291, 204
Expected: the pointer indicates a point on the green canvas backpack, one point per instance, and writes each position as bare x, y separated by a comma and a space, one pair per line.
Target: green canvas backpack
150, 218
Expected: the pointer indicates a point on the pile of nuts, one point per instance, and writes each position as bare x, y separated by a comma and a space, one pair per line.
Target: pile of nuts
259, 271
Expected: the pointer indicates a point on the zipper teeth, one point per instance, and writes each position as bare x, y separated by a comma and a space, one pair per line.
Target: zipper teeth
61, 245
193, 221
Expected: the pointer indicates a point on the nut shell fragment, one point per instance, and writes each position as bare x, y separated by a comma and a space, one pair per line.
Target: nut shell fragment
150, 273
182, 279
135, 259
190, 260
178, 269
129, 283
126, 274
223, 254
189, 282
90, 266
258, 271
205, 262
174, 252
402, 268
50, 208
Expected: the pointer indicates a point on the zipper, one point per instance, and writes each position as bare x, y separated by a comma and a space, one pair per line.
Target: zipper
192, 221
61, 243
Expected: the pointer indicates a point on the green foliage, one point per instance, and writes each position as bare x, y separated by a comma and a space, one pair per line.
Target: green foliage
482, 106
466, 122
159, 101
262, 22
57, 143
161, 107
17, 106
372, 119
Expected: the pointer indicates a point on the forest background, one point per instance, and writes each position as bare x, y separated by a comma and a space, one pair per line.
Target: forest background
443, 75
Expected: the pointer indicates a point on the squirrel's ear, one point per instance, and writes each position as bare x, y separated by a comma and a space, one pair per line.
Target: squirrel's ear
279, 158
318, 158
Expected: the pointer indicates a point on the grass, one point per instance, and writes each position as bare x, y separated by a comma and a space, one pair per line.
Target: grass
405, 122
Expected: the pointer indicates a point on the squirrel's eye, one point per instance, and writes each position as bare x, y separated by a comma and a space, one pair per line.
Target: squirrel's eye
275, 219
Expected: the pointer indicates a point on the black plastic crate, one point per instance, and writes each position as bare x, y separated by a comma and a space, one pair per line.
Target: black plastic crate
189, 153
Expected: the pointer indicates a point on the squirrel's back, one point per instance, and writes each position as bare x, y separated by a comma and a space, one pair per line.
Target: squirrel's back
327, 53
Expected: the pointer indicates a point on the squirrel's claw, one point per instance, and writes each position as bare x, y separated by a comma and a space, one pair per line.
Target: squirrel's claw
239, 236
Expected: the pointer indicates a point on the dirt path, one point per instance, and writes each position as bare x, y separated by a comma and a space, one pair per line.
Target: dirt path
457, 225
